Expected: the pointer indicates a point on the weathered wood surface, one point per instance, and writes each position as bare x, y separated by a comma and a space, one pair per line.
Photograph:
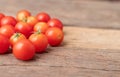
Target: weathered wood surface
87, 51
90, 13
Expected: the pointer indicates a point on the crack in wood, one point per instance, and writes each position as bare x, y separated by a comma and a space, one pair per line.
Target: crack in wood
62, 67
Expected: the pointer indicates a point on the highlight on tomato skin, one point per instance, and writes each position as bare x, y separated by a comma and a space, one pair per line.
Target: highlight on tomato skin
8, 20
22, 15
1, 16
27, 35
43, 17
31, 20
40, 41
24, 50
16, 37
54, 22
41, 26
24, 28
7, 30
55, 36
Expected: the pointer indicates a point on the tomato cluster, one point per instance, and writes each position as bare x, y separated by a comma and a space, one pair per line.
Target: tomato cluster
26, 35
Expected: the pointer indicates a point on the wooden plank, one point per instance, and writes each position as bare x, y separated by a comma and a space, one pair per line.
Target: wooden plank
61, 62
85, 13
92, 38
95, 63
54, 71
86, 52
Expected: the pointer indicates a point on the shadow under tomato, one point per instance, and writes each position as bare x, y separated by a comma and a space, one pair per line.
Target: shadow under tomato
9, 51
62, 44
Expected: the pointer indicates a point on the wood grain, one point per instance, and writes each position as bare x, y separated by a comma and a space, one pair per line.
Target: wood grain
91, 47
85, 13
92, 38
85, 52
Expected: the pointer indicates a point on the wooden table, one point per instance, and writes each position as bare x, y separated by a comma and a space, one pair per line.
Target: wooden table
91, 47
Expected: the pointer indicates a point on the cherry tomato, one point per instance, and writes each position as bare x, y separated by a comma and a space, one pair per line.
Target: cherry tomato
22, 15
24, 50
1, 16
41, 26
7, 30
40, 41
4, 44
55, 23
55, 36
43, 17
16, 37
8, 20
23, 28
31, 20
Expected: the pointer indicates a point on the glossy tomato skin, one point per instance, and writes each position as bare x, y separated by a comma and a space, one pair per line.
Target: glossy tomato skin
24, 50
15, 38
8, 20
7, 30
54, 22
40, 42
43, 17
1, 16
41, 26
31, 20
55, 36
22, 15
23, 28
4, 44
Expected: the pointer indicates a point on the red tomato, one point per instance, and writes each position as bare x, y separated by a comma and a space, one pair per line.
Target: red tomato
32, 21
8, 20
40, 41
23, 28
55, 23
1, 16
55, 36
24, 50
16, 37
41, 26
43, 17
22, 15
4, 44
7, 30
